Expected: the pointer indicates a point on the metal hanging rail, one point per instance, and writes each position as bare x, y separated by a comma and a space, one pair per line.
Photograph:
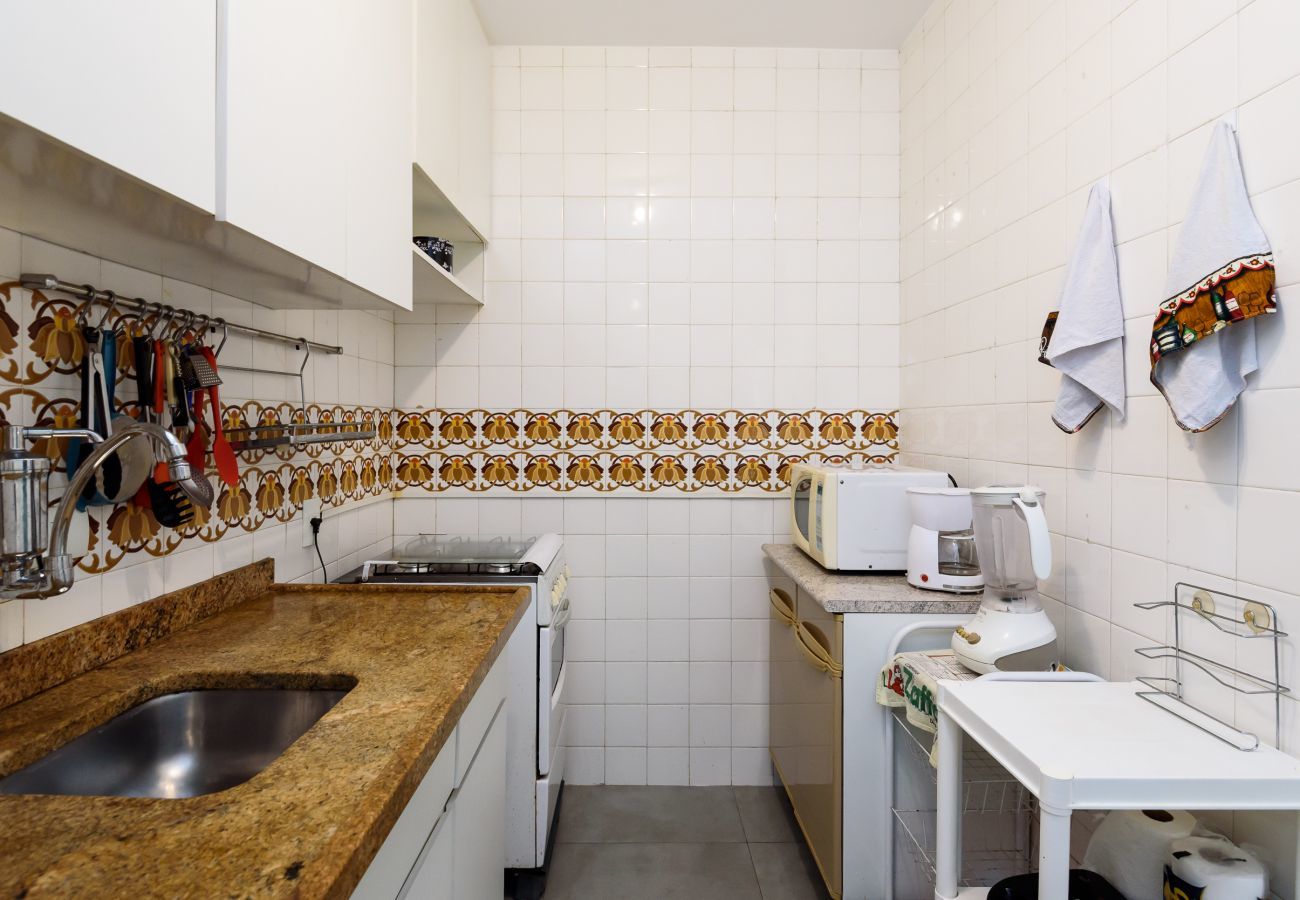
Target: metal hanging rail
92, 294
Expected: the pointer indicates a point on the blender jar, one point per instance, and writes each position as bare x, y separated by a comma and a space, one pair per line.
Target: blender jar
1015, 550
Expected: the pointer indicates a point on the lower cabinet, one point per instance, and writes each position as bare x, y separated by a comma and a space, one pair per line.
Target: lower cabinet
449, 842
480, 821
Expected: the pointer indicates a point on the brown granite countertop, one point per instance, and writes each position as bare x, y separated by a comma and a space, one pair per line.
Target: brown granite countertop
309, 824
838, 592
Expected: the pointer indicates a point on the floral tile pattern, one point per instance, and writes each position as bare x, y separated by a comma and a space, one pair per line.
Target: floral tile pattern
432, 450
38, 386
644, 451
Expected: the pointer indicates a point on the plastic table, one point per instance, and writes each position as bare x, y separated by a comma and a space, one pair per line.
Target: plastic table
1076, 742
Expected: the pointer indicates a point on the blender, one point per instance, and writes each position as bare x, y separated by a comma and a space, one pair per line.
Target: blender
1011, 630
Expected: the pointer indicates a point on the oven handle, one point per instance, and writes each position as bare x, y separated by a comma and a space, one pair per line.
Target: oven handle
562, 614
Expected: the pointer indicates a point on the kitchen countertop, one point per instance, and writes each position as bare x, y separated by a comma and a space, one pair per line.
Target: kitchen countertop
838, 592
310, 823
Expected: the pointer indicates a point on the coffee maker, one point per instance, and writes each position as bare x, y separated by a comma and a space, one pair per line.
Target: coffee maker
941, 552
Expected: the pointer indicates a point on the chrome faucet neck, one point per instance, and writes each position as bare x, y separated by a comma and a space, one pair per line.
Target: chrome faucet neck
28, 522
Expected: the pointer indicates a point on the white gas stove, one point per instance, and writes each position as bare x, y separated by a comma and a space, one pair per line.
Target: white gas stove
536, 707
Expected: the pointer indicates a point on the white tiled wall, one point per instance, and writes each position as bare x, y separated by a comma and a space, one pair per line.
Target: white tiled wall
672, 228
361, 375
677, 227
668, 641
1010, 110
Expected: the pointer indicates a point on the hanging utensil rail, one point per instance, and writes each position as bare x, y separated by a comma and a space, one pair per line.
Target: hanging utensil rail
256, 437
92, 294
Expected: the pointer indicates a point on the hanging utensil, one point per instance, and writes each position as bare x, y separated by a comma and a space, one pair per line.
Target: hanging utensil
222, 453
177, 399
196, 448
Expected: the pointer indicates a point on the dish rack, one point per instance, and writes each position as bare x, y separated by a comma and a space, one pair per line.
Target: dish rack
1241, 619
998, 816
293, 434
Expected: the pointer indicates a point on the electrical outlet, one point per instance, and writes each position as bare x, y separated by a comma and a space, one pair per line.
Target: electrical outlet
310, 510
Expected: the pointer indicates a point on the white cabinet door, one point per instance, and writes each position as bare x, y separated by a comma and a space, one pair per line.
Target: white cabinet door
378, 141
475, 122
480, 804
432, 879
281, 122
453, 71
131, 82
437, 92
404, 850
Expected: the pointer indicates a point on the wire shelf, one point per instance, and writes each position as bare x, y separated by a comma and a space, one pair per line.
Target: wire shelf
986, 788
296, 434
994, 845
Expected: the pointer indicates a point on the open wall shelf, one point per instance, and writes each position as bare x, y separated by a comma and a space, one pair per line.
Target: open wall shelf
435, 214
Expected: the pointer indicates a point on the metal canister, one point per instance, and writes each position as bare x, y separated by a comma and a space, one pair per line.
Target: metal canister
24, 502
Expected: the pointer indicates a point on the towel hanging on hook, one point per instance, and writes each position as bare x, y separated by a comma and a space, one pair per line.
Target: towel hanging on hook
1221, 278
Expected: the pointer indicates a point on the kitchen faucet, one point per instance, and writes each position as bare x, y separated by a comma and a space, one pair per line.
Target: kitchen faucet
27, 567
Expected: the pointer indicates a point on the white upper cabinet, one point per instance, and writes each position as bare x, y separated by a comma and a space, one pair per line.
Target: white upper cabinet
281, 120
377, 139
452, 106
314, 131
475, 124
437, 86
131, 83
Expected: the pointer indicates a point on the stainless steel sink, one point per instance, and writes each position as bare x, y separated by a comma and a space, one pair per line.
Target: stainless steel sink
178, 745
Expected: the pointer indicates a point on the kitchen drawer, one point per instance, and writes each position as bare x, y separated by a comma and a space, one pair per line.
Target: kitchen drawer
402, 848
476, 719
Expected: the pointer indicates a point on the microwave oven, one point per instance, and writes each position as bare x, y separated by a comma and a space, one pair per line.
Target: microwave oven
855, 518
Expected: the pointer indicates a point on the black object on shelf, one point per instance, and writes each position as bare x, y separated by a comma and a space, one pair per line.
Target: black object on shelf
1084, 885
437, 249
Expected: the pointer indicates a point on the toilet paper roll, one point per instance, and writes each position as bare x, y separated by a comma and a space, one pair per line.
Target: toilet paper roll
1210, 867
1130, 846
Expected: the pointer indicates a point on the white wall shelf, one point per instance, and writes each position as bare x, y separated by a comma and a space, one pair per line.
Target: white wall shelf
434, 284
437, 214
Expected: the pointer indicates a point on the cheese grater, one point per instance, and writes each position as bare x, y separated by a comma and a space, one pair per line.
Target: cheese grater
196, 371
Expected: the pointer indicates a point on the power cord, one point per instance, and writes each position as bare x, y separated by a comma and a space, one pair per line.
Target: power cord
315, 523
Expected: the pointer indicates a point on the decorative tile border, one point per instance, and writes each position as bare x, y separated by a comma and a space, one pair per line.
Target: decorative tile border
476, 451
641, 451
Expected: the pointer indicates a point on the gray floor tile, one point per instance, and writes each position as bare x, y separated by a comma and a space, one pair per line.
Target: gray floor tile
787, 872
765, 812
653, 872
649, 815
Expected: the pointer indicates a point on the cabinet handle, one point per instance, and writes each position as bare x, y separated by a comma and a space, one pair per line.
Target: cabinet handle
782, 605
816, 653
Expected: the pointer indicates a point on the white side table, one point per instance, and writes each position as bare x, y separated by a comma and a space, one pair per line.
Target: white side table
1079, 743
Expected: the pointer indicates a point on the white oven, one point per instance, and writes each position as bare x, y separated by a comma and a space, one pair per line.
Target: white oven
536, 707
552, 675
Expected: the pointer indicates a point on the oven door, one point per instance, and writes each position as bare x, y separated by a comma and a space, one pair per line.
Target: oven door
552, 675
812, 512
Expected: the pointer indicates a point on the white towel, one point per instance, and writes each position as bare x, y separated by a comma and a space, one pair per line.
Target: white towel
1222, 274
1086, 344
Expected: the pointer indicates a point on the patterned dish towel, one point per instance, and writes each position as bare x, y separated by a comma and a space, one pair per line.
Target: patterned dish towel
1221, 279
911, 680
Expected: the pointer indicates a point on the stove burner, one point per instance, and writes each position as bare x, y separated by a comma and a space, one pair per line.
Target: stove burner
414, 572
